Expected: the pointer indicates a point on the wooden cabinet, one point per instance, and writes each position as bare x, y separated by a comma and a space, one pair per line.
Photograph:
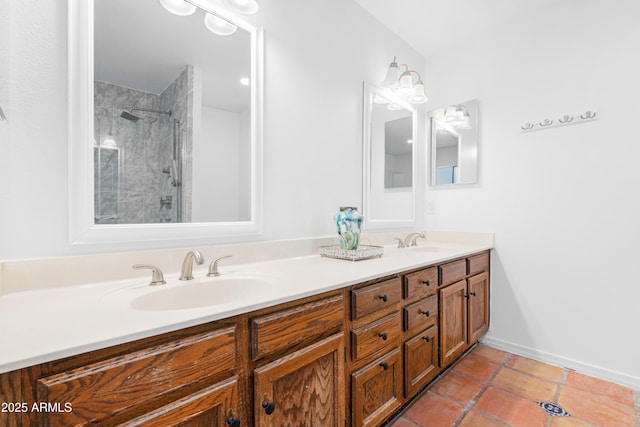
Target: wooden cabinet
370, 348
464, 309
420, 360
453, 321
478, 308
305, 388
122, 386
377, 390
214, 406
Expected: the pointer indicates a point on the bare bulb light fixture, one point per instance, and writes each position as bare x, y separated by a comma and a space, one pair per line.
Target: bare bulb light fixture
403, 84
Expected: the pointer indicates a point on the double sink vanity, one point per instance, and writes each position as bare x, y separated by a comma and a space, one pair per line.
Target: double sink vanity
281, 337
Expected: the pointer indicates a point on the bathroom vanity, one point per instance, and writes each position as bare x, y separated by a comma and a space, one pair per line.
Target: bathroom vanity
347, 355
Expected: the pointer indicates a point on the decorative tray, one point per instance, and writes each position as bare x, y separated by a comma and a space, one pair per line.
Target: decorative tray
363, 252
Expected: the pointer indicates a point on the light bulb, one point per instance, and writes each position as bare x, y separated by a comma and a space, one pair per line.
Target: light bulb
391, 80
406, 85
219, 26
248, 7
178, 7
244, 81
418, 96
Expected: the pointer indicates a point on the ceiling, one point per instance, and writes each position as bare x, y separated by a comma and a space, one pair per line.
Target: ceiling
433, 25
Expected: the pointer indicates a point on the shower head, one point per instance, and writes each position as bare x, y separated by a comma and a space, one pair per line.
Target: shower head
129, 116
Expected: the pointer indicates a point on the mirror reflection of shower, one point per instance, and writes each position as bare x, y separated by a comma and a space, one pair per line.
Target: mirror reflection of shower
150, 134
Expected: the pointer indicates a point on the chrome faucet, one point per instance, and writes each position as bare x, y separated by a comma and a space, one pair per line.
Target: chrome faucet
213, 267
411, 238
187, 265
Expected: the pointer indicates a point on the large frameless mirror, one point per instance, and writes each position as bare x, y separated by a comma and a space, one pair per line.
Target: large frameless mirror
454, 144
180, 108
389, 149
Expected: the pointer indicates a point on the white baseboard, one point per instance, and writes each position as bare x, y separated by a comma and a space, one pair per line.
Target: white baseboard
553, 359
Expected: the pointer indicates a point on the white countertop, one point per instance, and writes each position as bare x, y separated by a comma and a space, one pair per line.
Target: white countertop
42, 325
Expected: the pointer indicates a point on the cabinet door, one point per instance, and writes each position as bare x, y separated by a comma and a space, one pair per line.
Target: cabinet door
478, 306
304, 388
420, 360
376, 390
213, 406
453, 321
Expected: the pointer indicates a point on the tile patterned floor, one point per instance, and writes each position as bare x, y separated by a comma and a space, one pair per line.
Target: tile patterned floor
489, 387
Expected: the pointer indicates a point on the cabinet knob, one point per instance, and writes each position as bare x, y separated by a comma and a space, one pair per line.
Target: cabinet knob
383, 335
384, 365
426, 282
427, 339
473, 294
233, 422
269, 407
383, 298
426, 313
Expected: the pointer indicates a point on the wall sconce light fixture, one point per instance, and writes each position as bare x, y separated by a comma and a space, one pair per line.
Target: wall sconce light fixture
402, 83
457, 116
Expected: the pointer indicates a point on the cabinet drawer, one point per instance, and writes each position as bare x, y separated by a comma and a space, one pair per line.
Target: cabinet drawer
478, 263
376, 390
374, 297
135, 378
374, 336
420, 315
452, 271
421, 283
284, 329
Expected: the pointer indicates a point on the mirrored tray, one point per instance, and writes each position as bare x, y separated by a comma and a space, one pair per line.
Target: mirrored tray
363, 252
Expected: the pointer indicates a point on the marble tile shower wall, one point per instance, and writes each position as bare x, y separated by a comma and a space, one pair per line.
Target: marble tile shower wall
178, 97
132, 192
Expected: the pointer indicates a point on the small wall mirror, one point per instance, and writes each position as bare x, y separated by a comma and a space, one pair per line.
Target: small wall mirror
389, 147
454, 144
173, 112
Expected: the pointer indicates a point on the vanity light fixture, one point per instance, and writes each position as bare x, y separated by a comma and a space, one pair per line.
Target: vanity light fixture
213, 21
218, 25
248, 7
457, 116
403, 85
178, 7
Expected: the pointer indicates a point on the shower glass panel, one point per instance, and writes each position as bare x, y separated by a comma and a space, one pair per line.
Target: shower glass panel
107, 184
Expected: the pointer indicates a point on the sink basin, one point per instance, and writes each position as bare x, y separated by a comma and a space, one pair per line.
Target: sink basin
425, 248
201, 293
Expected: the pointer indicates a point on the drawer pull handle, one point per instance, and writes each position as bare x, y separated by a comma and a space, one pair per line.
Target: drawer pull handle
384, 298
269, 407
384, 365
426, 313
383, 335
233, 422
427, 339
426, 282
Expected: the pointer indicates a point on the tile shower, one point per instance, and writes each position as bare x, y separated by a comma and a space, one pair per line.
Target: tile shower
135, 177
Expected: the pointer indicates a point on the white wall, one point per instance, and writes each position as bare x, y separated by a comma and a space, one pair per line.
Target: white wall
316, 56
563, 203
217, 165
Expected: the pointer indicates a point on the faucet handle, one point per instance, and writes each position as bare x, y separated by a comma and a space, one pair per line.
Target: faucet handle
400, 242
157, 278
213, 267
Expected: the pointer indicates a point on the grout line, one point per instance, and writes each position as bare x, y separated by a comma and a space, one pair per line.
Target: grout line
485, 385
